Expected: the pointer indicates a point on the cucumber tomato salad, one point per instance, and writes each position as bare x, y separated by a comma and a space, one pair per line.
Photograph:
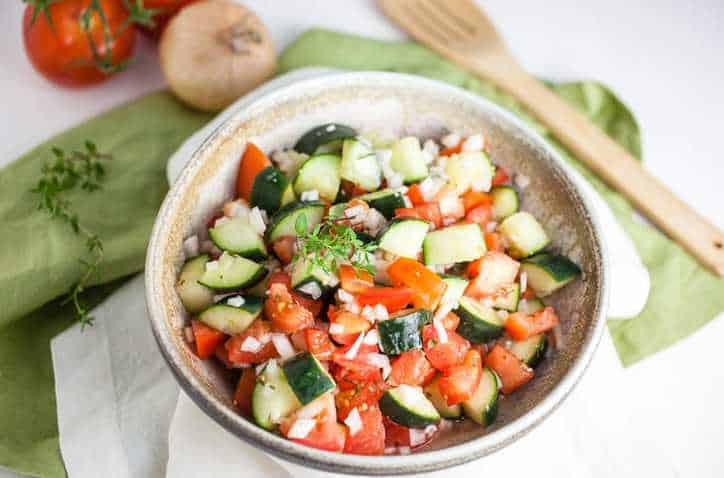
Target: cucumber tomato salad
370, 292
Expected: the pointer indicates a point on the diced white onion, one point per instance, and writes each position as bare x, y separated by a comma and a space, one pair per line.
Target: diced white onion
523, 282
377, 359
390, 450
251, 345
221, 221
431, 148
417, 437
354, 211
238, 208
449, 204
491, 226
345, 296
480, 185
372, 337
336, 329
189, 335
265, 339
301, 428
208, 247
331, 128
475, 142
408, 203
312, 289
312, 195
394, 180
404, 450
381, 312
236, 301
191, 246
256, 219
522, 181
368, 312
430, 430
354, 349
283, 345
558, 337
374, 221
354, 422
440, 330
503, 314
351, 307
212, 266
450, 140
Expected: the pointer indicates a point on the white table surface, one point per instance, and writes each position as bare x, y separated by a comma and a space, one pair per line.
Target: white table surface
664, 59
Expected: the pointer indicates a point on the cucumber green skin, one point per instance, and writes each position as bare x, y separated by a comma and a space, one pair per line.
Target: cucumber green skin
455, 288
487, 415
401, 415
250, 282
539, 352
476, 329
307, 178
501, 209
558, 269
195, 297
510, 300
268, 189
290, 212
307, 377
256, 252
319, 136
432, 392
236, 319
385, 203
402, 332
390, 229
262, 397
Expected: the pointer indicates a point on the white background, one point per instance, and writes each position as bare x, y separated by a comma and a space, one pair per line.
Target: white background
664, 58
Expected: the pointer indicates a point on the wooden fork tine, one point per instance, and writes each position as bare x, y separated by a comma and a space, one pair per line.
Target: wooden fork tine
419, 25
438, 14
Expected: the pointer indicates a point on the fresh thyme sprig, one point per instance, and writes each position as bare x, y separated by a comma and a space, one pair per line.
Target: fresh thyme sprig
64, 173
330, 243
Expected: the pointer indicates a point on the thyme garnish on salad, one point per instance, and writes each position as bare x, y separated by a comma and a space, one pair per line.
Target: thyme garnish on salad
64, 173
331, 243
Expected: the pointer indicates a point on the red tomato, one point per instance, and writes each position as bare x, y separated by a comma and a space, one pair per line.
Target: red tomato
473, 267
399, 436
314, 306
411, 368
359, 397
327, 434
472, 199
260, 330
354, 280
458, 383
351, 323
286, 315
496, 271
415, 194
511, 370
428, 211
529, 294
520, 326
501, 176
452, 149
482, 214
318, 343
69, 52
284, 248
451, 321
428, 287
349, 373
443, 356
244, 390
352, 190
393, 298
253, 161
206, 339
370, 439
494, 242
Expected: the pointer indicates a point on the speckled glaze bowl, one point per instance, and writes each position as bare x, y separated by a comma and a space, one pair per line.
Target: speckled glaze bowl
389, 104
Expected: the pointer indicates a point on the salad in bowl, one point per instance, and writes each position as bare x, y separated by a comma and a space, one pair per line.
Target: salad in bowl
366, 293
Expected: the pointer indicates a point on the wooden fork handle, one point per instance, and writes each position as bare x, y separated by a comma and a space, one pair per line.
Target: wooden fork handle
620, 170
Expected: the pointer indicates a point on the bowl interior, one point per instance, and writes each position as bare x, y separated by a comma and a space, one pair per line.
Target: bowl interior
388, 105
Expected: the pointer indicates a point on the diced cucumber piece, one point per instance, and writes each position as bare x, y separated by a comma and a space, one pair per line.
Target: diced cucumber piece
453, 244
194, 296
273, 398
231, 272
524, 234
408, 406
324, 138
401, 332
530, 306
478, 323
505, 202
455, 289
319, 173
508, 299
230, 319
307, 377
408, 160
482, 407
403, 237
259, 289
283, 222
531, 350
385, 201
549, 272
268, 190
303, 273
359, 165
470, 170
432, 392
235, 235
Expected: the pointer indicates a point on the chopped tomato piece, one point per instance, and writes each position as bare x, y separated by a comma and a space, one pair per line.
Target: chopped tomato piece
286, 315
354, 280
351, 323
399, 436
360, 397
314, 306
501, 176
284, 248
351, 372
415, 194
458, 383
529, 294
452, 149
253, 161
451, 205
206, 339
327, 434
244, 390
428, 211
223, 355
393, 298
497, 270
411, 368
472, 199
318, 343
299, 340
351, 189
511, 370
428, 288
451, 321
473, 268
520, 326
259, 330
494, 242
443, 355
370, 438
480, 214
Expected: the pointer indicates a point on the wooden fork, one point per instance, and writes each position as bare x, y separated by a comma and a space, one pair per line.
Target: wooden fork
460, 31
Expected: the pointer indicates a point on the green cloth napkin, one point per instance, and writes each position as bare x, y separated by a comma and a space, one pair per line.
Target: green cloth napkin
42, 262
